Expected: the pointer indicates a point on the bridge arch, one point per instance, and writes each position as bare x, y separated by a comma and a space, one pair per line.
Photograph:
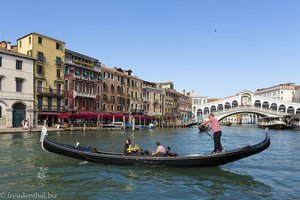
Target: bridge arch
227, 105
290, 110
220, 107
282, 108
265, 104
257, 103
234, 103
206, 110
274, 106
213, 109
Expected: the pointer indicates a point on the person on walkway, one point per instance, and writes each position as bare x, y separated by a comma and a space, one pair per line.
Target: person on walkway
216, 128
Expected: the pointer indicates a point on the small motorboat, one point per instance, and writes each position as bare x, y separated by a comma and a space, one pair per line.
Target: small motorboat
91, 154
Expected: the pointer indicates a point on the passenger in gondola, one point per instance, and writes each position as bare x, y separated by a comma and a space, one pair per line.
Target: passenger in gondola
160, 151
128, 149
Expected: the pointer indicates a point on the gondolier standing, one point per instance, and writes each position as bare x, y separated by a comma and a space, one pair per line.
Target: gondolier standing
216, 128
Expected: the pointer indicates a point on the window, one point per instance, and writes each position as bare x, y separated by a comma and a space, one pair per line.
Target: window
40, 70
58, 46
0, 83
19, 64
76, 71
49, 103
98, 105
98, 90
91, 106
39, 86
40, 103
99, 77
66, 85
83, 104
58, 104
40, 40
112, 108
66, 70
41, 57
66, 103
84, 87
20, 43
0, 61
0, 112
58, 61
75, 103
19, 83
91, 89
58, 89
76, 86
29, 40
58, 73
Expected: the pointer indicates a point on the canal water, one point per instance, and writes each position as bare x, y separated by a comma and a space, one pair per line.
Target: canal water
273, 174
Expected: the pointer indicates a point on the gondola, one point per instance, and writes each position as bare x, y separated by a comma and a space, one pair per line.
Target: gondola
193, 160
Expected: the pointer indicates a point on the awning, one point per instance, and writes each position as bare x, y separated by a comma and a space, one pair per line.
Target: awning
118, 115
64, 115
49, 113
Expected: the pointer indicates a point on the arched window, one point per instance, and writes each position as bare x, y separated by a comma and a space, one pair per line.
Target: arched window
257, 103
0, 112
220, 107
234, 103
227, 105
98, 90
265, 104
213, 109
291, 110
76, 87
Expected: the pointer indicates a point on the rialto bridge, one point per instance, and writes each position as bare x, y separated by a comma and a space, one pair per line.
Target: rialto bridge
247, 102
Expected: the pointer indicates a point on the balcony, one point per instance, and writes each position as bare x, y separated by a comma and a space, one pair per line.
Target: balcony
44, 91
146, 99
83, 94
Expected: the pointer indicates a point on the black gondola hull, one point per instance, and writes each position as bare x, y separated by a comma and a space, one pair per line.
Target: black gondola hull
195, 160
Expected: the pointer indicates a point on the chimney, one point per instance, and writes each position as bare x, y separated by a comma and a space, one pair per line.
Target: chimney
183, 92
8, 46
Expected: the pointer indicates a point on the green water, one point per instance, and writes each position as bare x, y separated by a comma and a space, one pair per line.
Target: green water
273, 174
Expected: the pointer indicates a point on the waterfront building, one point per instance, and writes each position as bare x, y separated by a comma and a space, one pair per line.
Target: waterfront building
136, 95
197, 100
16, 87
48, 77
153, 98
185, 106
284, 92
115, 89
82, 82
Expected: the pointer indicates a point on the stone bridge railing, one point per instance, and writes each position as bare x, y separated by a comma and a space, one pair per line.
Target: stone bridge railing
246, 109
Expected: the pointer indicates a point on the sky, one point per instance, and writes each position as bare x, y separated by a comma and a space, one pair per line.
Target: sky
216, 48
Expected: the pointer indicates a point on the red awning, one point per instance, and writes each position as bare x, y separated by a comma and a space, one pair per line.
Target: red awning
64, 115
89, 115
118, 115
49, 113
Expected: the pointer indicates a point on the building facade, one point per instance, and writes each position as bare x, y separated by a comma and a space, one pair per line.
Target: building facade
115, 89
284, 92
136, 95
82, 82
49, 75
16, 87
153, 98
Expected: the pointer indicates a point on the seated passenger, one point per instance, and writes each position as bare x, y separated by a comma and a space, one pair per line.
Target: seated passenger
160, 151
128, 149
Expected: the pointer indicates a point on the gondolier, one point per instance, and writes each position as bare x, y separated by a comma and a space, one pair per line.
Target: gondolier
216, 128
